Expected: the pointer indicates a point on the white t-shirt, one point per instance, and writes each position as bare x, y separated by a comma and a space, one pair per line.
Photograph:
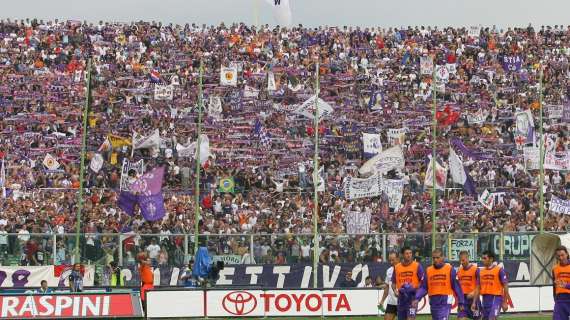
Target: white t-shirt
392, 299
153, 250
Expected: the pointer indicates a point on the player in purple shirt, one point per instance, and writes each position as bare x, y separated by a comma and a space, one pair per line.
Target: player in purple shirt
407, 305
493, 287
440, 305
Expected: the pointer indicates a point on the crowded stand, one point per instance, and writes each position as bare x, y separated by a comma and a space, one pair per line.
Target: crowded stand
256, 149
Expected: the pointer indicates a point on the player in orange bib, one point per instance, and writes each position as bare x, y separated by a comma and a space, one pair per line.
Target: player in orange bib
441, 285
468, 276
493, 287
561, 276
407, 277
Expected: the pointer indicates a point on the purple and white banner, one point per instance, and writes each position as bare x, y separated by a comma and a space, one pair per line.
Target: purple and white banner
301, 275
26, 277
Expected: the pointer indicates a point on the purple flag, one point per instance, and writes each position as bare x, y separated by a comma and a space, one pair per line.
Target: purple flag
127, 202
462, 149
152, 207
469, 185
512, 63
150, 183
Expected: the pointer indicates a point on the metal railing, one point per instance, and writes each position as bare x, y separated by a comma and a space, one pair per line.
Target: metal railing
177, 249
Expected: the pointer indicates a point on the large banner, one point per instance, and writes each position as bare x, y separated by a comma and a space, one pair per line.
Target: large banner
301, 275
56, 276
82, 305
389, 159
356, 188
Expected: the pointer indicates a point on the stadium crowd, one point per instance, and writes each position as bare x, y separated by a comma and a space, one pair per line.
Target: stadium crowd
371, 77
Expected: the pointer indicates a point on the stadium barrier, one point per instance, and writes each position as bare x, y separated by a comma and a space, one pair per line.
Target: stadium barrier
226, 303
71, 305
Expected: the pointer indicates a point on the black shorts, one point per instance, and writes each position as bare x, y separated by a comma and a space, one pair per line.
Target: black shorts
392, 309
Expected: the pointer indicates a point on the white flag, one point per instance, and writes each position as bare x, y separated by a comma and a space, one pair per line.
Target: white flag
372, 143
96, 163
215, 107
321, 184
141, 142
392, 158
487, 199
228, 76
308, 108
163, 92
440, 175
456, 168
185, 151
426, 65
190, 150
50, 162
281, 12
271, 85
204, 148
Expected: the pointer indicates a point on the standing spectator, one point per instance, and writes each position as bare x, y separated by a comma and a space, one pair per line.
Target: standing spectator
153, 250
76, 279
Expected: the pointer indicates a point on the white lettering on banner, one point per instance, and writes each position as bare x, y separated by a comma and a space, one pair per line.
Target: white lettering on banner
458, 245
559, 206
523, 273
559, 161
223, 280
281, 271
357, 222
253, 271
328, 282
163, 92
515, 245
68, 305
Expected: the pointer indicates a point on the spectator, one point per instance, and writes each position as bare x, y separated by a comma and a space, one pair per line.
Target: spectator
76, 279
44, 289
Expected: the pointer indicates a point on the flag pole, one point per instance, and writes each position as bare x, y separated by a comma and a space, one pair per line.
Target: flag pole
541, 155
198, 165
316, 181
256, 13
82, 168
433, 166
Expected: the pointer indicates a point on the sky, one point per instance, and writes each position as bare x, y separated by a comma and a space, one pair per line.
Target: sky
384, 13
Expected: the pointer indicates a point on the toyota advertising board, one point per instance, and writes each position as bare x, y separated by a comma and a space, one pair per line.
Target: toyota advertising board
292, 303
303, 303
52, 306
